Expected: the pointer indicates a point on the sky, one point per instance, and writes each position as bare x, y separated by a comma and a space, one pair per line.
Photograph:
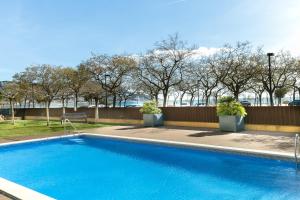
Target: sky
65, 32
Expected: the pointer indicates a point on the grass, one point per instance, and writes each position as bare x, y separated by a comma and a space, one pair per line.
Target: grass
36, 127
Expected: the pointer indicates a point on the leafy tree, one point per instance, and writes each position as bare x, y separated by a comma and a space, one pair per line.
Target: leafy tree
12, 93
27, 81
49, 83
92, 90
280, 93
76, 78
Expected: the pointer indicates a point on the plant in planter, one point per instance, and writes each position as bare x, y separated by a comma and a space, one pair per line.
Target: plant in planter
152, 115
231, 114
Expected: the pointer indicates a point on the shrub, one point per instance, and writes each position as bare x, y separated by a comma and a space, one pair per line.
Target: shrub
229, 106
150, 108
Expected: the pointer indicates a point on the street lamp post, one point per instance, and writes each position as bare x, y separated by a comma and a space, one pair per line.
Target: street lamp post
106, 75
270, 77
198, 85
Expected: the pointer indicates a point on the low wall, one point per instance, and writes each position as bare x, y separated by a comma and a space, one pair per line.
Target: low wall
283, 118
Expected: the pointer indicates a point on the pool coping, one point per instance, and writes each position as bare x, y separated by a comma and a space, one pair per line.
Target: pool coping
19, 192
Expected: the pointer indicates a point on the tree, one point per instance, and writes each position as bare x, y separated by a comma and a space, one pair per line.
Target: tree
92, 90
281, 70
207, 79
183, 88
150, 86
76, 78
127, 90
66, 91
28, 81
49, 83
12, 93
110, 71
258, 89
295, 79
192, 90
280, 93
237, 65
163, 66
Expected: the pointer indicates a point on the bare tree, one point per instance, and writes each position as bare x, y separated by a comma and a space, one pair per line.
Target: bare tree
152, 87
207, 79
237, 65
164, 65
258, 89
281, 70
127, 90
110, 71
295, 79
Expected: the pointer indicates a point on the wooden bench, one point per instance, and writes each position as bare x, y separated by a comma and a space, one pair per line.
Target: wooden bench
75, 117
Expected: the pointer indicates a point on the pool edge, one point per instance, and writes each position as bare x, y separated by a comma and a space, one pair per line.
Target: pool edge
19, 192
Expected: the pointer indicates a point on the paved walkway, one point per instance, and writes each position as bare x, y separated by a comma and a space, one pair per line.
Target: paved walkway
271, 141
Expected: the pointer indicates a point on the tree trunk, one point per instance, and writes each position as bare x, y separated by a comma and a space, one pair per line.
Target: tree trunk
181, 98
75, 101
12, 112
206, 98
191, 100
156, 99
294, 94
25, 102
63, 106
114, 100
216, 98
96, 109
165, 96
271, 98
236, 95
260, 99
47, 113
279, 101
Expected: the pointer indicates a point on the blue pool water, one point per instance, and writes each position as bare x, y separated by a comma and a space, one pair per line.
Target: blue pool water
90, 168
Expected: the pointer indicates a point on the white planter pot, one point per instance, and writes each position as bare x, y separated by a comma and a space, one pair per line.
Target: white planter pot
153, 119
231, 123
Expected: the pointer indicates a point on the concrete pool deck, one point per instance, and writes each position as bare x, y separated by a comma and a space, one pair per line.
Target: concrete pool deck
256, 140
281, 142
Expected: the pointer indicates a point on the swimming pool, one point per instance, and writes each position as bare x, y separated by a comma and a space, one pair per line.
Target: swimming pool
88, 167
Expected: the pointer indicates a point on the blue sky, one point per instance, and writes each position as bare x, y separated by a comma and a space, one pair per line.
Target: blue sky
65, 32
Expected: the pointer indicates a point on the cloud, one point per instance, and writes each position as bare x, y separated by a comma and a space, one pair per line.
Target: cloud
205, 51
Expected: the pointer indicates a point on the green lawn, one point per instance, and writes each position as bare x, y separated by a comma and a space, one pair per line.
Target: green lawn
35, 127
